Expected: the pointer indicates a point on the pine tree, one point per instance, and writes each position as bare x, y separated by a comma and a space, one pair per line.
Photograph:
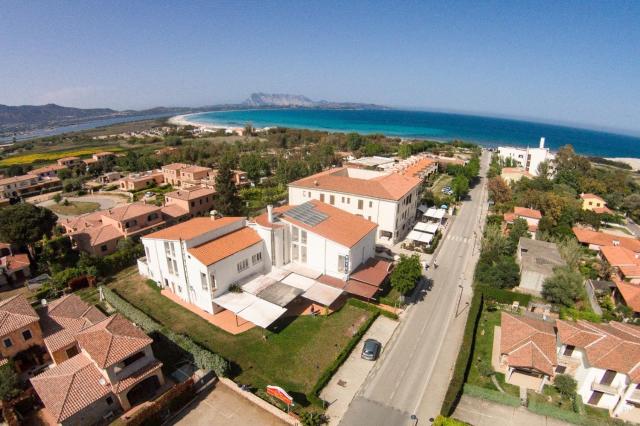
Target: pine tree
227, 201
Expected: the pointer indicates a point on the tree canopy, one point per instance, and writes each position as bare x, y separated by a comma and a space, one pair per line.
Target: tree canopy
24, 224
564, 287
227, 201
406, 273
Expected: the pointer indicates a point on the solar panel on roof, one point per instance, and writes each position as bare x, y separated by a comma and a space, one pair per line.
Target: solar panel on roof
307, 214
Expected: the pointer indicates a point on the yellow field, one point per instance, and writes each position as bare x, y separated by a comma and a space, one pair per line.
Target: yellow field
54, 155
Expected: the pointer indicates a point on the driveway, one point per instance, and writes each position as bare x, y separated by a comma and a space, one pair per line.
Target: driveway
105, 201
479, 412
224, 407
350, 376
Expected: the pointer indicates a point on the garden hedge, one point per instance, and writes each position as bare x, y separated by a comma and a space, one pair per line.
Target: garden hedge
202, 358
491, 395
371, 308
463, 362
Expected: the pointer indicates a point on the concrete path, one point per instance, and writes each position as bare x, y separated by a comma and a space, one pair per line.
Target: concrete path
350, 376
414, 375
479, 412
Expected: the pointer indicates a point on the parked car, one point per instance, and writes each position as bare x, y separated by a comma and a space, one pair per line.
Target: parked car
149, 194
371, 349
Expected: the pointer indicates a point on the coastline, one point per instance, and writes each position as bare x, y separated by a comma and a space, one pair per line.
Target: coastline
633, 162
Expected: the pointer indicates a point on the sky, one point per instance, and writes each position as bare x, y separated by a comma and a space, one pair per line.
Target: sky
566, 62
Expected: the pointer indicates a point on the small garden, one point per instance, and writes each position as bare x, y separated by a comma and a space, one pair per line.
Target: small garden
74, 208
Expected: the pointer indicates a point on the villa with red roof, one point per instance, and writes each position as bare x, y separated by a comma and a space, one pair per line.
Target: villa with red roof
532, 216
594, 203
19, 329
388, 199
102, 365
255, 270
596, 240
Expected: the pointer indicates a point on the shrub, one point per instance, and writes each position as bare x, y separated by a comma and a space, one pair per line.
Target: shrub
504, 296
446, 421
491, 395
463, 362
8, 382
313, 419
575, 314
566, 385
406, 273
371, 308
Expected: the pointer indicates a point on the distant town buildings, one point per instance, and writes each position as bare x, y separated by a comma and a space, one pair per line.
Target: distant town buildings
529, 159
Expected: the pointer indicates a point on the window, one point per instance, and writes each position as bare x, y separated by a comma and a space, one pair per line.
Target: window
26, 335
348, 200
256, 258
342, 199
103, 247
243, 265
133, 358
213, 282
322, 197
7, 343
561, 369
303, 254
131, 223
303, 237
168, 249
203, 280
332, 199
568, 351
294, 233
193, 204
370, 204
294, 252
342, 260
109, 400
360, 204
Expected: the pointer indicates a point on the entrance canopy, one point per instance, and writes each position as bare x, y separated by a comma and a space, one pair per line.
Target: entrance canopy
235, 302
280, 294
434, 213
262, 313
420, 237
430, 228
323, 294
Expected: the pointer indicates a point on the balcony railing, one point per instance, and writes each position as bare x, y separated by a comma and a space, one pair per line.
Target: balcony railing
611, 390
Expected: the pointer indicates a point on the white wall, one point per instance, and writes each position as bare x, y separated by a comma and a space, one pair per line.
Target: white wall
389, 215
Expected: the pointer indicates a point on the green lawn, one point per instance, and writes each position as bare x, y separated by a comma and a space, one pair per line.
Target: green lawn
75, 208
442, 181
293, 358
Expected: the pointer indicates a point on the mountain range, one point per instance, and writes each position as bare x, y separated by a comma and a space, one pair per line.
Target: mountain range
27, 118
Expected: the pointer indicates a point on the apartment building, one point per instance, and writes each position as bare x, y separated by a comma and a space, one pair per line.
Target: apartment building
239, 178
388, 199
138, 181
528, 159
514, 174
69, 161
27, 185
194, 200
102, 365
594, 203
171, 173
47, 171
98, 233
314, 251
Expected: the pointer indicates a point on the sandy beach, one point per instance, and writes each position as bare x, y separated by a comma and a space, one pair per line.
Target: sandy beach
633, 162
183, 120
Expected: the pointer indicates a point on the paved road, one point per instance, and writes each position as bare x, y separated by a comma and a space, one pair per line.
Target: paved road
412, 376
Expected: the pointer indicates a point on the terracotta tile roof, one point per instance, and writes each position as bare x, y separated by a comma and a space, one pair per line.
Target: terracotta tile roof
16, 313
68, 158
191, 193
16, 179
193, 228
392, 186
613, 346
112, 340
341, 227
97, 235
602, 210
372, 272
64, 318
173, 211
130, 211
226, 245
587, 236
509, 217
591, 197
70, 387
526, 212
420, 166
629, 292
137, 376
46, 169
195, 169
15, 262
175, 166
621, 257
528, 343
357, 288
81, 222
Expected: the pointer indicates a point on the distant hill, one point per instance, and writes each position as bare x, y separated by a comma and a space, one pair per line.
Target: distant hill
270, 100
25, 119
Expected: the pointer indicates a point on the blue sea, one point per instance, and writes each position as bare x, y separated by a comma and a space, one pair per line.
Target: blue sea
486, 131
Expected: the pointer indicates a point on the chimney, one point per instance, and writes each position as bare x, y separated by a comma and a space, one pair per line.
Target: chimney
541, 143
270, 213
213, 214
315, 182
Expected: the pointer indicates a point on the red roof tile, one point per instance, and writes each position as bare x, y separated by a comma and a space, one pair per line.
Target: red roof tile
193, 228
528, 343
527, 212
587, 236
372, 272
225, 246
15, 314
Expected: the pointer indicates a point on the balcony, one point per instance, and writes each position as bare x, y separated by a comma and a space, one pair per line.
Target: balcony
608, 389
635, 396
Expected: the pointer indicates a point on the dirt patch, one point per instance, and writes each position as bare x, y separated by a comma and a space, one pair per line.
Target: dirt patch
353, 329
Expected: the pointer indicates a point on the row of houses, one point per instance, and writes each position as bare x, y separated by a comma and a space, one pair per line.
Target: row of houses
94, 366
604, 359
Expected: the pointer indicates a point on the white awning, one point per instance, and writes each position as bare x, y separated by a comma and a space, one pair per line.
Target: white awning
323, 294
298, 281
235, 302
258, 284
430, 228
435, 213
262, 313
421, 237
302, 270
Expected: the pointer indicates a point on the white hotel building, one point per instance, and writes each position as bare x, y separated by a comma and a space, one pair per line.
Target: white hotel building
388, 199
528, 159
313, 250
